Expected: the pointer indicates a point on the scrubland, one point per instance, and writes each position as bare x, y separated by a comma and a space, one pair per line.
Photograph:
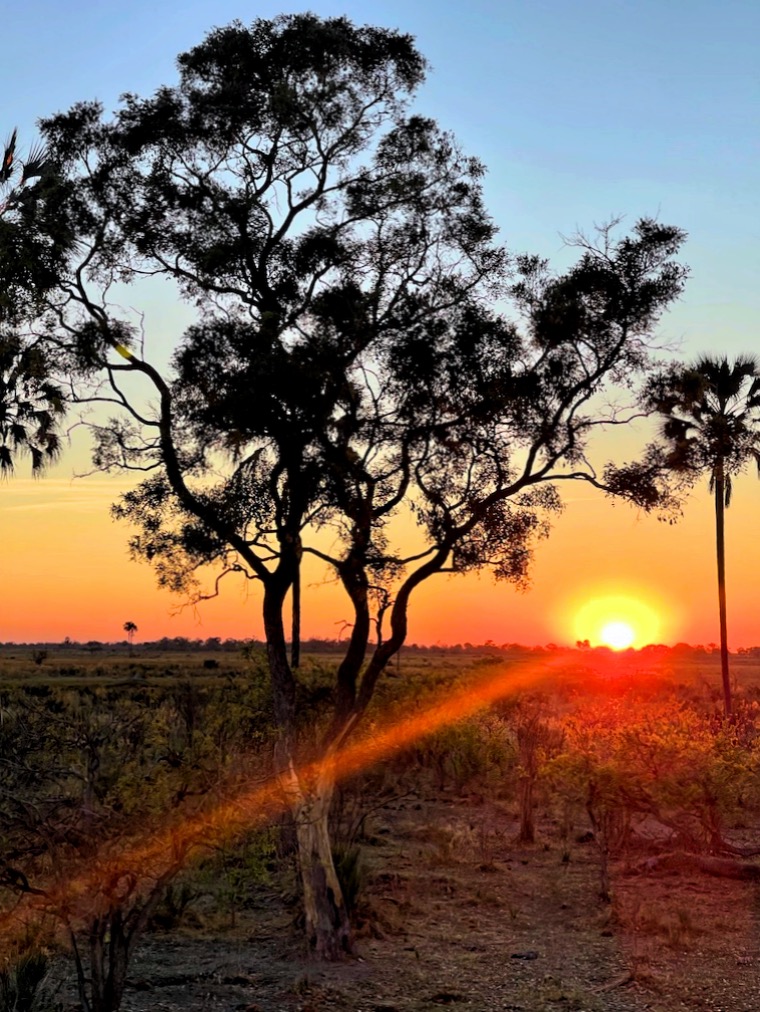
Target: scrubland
583, 841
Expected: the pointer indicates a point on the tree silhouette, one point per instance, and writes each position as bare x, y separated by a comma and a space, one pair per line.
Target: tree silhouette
34, 243
346, 367
35, 235
31, 404
130, 629
28, 168
711, 422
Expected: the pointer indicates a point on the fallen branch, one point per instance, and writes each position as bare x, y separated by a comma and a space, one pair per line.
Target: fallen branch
720, 867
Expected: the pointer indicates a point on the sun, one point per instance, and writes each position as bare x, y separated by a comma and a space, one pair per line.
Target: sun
618, 621
618, 635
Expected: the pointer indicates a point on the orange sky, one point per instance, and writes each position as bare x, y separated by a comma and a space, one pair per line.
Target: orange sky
66, 572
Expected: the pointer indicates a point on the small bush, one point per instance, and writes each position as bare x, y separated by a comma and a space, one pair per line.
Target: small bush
351, 873
174, 906
462, 754
22, 983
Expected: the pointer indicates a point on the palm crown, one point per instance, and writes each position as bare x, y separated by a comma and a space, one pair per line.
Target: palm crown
30, 405
31, 167
711, 416
711, 422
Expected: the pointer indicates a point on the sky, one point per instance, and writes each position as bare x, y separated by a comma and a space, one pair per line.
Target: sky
580, 111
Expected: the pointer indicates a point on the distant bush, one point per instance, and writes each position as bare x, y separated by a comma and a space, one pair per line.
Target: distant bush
477, 751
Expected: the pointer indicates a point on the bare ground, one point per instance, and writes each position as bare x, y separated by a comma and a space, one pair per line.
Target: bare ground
456, 915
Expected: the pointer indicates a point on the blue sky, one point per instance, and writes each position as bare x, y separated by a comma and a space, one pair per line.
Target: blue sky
579, 110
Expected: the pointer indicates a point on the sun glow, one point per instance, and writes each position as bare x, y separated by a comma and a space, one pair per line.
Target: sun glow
617, 621
618, 635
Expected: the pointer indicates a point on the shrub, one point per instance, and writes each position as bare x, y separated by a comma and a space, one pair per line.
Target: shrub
22, 984
351, 872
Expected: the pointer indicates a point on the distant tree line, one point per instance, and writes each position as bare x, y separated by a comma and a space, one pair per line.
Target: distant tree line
333, 647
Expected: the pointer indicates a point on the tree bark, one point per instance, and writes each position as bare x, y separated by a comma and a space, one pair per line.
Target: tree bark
720, 504
327, 924
280, 672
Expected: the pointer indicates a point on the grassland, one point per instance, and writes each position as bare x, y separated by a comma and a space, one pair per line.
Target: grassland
635, 891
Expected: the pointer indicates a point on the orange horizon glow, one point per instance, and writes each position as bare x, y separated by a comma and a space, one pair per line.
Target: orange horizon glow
67, 572
618, 621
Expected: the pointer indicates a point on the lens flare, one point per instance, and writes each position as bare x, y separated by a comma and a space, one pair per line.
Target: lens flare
147, 858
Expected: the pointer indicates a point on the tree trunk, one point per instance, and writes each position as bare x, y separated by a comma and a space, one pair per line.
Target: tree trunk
327, 924
720, 503
280, 672
109, 958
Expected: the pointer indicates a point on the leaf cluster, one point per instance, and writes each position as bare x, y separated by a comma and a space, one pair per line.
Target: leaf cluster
710, 413
31, 403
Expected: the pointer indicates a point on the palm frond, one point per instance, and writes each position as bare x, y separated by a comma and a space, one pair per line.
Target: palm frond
35, 164
9, 154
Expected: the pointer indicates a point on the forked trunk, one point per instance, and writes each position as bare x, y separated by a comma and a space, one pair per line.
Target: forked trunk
109, 957
720, 503
326, 917
327, 925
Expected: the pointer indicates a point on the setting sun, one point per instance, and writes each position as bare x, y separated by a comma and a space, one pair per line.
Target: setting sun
617, 621
618, 635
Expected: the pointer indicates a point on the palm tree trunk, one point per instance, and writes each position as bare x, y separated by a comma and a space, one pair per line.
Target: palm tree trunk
720, 504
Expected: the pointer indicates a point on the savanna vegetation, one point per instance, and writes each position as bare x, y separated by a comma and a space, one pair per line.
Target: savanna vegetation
551, 798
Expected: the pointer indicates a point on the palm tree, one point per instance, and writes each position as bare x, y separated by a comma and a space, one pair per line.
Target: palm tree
711, 415
130, 629
35, 236
31, 404
31, 167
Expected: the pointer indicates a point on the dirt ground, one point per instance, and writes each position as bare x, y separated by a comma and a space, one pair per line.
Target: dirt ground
456, 915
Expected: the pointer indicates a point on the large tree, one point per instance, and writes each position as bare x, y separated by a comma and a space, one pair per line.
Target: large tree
347, 367
711, 424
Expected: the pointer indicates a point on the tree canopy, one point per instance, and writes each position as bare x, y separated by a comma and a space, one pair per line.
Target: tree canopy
35, 238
